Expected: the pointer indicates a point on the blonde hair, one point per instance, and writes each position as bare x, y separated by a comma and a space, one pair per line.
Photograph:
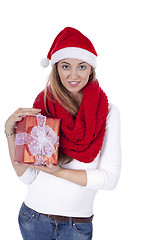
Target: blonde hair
62, 95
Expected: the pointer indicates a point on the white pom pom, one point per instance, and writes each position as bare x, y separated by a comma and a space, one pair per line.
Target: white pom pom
44, 62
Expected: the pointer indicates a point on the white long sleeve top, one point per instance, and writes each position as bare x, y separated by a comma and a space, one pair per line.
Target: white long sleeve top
52, 195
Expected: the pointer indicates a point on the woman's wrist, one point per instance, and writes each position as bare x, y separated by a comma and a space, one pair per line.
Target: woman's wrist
10, 131
59, 172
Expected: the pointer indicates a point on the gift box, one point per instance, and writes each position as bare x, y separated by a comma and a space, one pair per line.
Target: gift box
37, 140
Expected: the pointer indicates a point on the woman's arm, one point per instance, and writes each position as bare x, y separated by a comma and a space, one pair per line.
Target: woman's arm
107, 174
76, 176
10, 128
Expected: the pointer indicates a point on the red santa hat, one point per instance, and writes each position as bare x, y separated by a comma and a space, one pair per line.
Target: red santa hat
71, 43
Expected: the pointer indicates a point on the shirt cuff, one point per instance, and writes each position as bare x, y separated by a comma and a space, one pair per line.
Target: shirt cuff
29, 176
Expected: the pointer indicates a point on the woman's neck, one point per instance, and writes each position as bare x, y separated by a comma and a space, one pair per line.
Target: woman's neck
78, 97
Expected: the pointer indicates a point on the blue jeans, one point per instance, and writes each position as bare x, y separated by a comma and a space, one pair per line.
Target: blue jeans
36, 226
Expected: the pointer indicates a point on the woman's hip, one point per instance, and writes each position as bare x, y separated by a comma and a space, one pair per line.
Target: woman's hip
37, 226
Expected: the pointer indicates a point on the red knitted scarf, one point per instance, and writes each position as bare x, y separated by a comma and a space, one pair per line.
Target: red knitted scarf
80, 138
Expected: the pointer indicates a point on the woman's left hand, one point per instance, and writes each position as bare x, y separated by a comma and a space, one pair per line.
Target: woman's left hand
73, 175
48, 168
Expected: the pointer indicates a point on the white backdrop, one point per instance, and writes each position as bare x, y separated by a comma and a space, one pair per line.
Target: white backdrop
126, 35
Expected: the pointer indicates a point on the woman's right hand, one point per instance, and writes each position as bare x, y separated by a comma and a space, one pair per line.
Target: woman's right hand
18, 116
10, 128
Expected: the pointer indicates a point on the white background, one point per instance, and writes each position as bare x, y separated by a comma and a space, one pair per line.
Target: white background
126, 35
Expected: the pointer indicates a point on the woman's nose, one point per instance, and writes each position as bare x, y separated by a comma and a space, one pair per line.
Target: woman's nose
74, 74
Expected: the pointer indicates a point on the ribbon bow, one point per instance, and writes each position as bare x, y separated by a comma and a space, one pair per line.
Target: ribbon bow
40, 142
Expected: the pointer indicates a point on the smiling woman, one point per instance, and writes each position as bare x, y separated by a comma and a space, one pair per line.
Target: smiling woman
89, 147
55, 86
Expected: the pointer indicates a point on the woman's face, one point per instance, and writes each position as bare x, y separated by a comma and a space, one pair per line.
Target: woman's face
74, 74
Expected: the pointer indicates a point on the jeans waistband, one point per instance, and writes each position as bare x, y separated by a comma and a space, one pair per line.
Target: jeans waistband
66, 219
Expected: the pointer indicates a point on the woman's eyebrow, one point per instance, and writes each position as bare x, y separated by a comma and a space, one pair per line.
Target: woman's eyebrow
65, 63
70, 64
81, 63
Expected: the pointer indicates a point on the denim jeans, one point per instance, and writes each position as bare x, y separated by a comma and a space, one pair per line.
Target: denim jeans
36, 226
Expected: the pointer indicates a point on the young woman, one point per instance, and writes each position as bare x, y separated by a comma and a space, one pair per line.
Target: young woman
59, 203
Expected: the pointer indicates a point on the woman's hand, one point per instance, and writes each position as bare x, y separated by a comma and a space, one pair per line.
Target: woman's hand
18, 116
75, 176
49, 168
10, 128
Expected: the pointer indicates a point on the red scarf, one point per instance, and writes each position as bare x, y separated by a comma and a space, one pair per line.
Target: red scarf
80, 138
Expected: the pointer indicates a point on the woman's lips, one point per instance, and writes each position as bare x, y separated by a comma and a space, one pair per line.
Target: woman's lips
73, 83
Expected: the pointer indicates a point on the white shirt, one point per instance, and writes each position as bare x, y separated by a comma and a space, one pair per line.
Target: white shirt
52, 195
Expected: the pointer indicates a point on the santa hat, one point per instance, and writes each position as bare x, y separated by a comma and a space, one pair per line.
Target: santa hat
71, 43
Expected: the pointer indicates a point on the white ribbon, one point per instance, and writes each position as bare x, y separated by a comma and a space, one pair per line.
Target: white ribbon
41, 142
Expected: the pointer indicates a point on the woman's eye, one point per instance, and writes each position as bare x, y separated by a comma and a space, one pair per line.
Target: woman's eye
82, 67
65, 67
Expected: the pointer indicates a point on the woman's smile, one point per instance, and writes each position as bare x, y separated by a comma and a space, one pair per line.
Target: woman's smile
73, 83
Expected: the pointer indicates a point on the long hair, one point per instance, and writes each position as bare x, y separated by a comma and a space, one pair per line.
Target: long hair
62, 95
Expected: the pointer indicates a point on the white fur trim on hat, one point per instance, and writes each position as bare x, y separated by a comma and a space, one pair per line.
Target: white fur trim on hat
76, 53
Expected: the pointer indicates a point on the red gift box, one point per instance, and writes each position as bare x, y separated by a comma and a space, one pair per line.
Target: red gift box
37, 140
